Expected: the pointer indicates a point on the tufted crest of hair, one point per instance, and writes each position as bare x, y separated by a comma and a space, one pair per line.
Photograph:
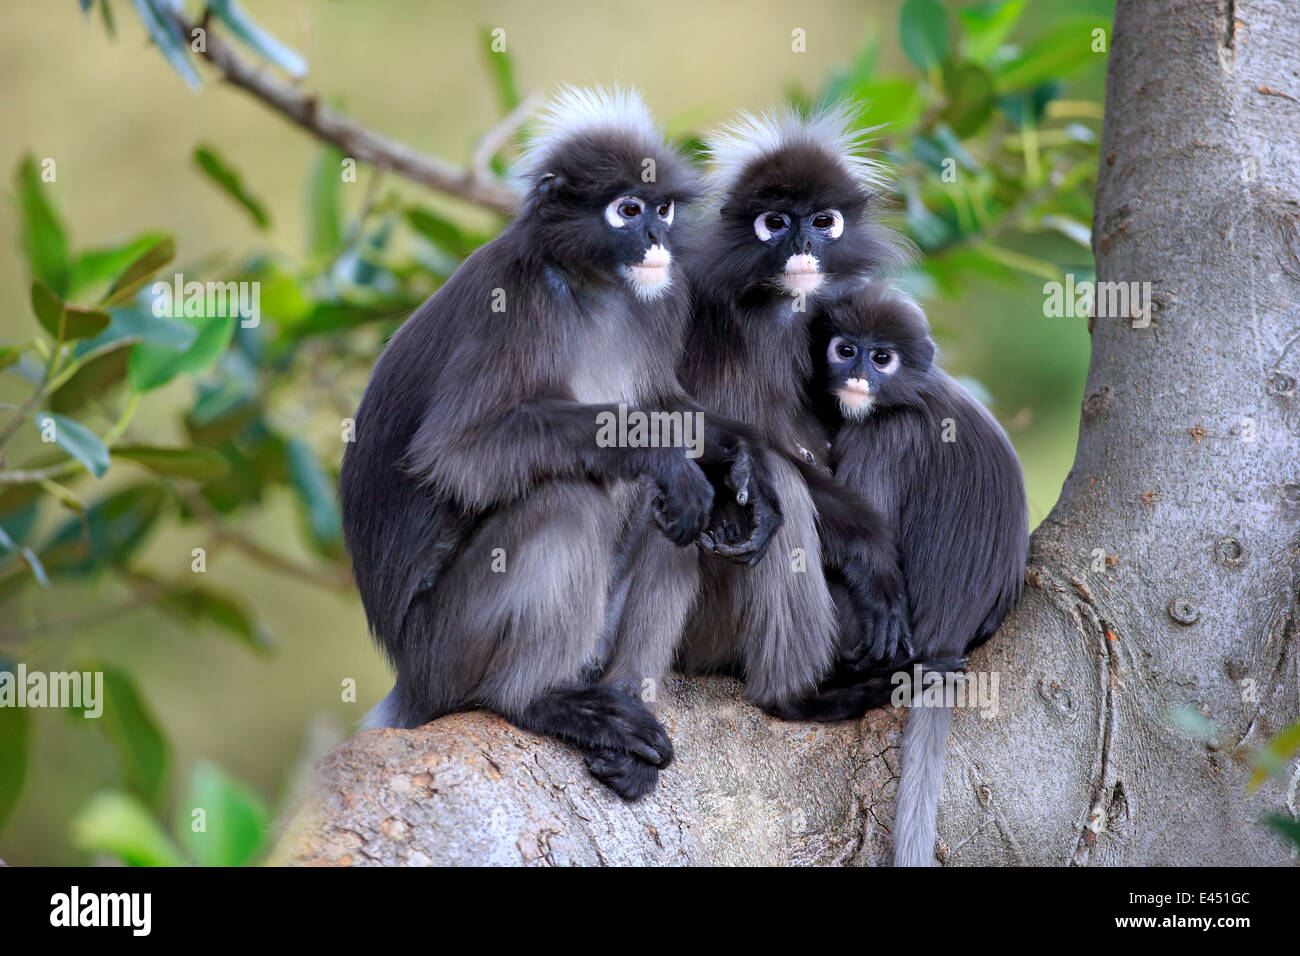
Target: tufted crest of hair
591, 144
882, 314
826, 148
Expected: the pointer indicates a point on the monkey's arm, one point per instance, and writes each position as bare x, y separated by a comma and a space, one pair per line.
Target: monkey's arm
491, 459
861, 543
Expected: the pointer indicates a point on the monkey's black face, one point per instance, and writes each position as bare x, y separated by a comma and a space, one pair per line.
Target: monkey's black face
607, 207
798, 222
878, 353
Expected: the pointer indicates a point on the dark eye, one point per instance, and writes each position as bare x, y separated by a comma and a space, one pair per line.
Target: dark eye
842, 350
665, 209
822, 220
629, 210
769, 224
881, 358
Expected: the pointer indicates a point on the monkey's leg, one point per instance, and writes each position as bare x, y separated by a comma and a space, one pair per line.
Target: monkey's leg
658, 586
776, 618
519, 623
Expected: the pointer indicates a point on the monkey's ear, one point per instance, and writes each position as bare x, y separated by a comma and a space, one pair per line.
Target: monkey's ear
548, 183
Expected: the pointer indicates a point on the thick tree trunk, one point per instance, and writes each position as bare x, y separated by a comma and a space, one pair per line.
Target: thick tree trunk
1185, 494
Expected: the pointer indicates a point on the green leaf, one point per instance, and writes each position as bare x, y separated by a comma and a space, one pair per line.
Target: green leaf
199, 464
225, 176
43, 239
131, 325
1286, 826
502, 68
14, 736
101, 265
113, 529
78, 441
261, 42
167, 38
65, 322
8, 356
92, 380
445, 234
1063, 50
235, 819
970, 94
140, 271
198, 605
987, 26
324, 187
118, 824
316, 493
923, 28
134, 733
153, 366
8, 545
895, 103
1275, 756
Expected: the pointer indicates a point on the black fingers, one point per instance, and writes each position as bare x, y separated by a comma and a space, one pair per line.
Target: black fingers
681, 509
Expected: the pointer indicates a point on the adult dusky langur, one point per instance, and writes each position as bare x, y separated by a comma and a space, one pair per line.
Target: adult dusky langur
942, 472
794, 198
481, 509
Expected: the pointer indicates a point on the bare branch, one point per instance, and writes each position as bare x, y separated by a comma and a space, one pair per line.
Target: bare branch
355, 140
496, 138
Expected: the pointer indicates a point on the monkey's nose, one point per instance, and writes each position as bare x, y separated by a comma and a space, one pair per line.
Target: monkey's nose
807, 247
653, 236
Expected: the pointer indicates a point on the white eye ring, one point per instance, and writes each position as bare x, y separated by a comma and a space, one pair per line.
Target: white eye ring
672, 210
761, 229
614, 217
836, 228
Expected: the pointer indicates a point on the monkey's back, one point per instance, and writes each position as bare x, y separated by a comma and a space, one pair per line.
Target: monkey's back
959, 505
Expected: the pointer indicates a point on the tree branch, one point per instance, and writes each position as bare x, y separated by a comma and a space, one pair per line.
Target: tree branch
355, 140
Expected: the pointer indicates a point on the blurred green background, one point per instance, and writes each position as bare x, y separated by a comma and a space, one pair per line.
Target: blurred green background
122, 128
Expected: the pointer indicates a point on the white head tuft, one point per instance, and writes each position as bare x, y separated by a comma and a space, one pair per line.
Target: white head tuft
833, 128
573, 110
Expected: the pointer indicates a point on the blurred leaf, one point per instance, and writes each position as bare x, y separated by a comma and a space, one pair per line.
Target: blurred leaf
140, 271
969, 90
502, 68
1275, 757
134, 733
1063, 50
315, 491
1286, 826
153, 366
114, 529
132, 324
8, 545
197, 605
199, 464
895, 103
923, 28
78, 441
43, 240
258, 40
14, 734
65, 322
118, 824
225, 176
236, 820
167, 38
987, 26
324, 187
8, 356
100, 265
443, 233
1070, 228
92, 380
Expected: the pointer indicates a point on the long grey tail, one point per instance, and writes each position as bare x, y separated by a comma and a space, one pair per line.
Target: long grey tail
925, 747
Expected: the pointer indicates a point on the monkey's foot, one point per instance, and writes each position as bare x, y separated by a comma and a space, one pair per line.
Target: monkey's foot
628, 776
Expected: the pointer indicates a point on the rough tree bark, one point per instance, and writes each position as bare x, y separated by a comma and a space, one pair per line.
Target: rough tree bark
1185, 493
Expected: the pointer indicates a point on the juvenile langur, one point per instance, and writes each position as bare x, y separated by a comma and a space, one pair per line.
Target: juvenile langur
793, 214
942, 472
481, 509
